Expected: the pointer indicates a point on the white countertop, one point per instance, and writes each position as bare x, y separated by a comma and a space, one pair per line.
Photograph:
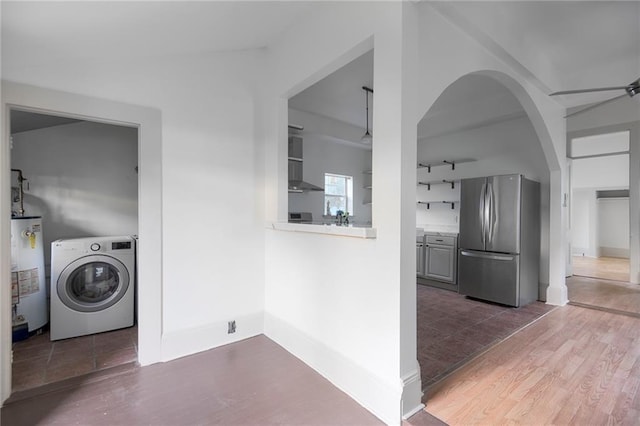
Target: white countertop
441, 230
357, 231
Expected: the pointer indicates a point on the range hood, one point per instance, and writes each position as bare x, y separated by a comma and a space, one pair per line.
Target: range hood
296, 182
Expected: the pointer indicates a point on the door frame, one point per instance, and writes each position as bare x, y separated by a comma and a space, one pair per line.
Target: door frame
634, 187
148, 121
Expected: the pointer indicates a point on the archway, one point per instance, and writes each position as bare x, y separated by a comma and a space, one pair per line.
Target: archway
482, 124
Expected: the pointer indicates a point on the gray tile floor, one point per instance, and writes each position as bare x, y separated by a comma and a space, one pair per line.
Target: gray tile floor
453, 329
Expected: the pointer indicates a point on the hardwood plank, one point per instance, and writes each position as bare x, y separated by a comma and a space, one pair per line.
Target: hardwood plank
573, 366
608, 268
607, 294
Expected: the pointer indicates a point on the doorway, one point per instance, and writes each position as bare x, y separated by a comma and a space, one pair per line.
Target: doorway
77, 179
149, 265
600, 222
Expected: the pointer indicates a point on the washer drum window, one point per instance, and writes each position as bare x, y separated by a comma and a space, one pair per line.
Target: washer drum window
93, 283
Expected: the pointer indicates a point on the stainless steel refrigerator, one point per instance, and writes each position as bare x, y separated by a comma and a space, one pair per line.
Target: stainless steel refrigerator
499, 239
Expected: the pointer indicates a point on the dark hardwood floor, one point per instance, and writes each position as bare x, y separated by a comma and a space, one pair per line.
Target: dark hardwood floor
253, 382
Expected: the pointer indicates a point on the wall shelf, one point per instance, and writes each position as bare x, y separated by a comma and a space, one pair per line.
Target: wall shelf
451, 163
428, 203
439, 182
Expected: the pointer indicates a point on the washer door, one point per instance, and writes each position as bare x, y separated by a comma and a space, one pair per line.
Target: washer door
93, 283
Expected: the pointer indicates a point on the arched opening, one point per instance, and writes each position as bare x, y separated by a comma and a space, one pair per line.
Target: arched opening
484, 124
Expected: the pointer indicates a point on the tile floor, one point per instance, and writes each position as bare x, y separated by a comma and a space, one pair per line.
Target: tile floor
38, 361
453, 329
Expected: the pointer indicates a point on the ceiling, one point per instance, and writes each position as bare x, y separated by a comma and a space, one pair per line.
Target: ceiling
558, 45
562, 45
103, 29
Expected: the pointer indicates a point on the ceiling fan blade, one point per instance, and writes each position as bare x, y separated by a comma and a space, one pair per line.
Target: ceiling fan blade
599, 89
595, 105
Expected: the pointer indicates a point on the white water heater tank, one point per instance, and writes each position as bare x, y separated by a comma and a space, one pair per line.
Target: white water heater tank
28, 284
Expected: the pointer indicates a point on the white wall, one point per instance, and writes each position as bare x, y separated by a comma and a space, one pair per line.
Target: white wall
584, 223
613, 227
210, 227
601, 172
82, 179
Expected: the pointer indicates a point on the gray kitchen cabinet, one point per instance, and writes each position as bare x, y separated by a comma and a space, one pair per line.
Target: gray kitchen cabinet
440, 258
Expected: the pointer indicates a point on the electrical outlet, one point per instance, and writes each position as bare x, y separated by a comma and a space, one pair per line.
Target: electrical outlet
232, 327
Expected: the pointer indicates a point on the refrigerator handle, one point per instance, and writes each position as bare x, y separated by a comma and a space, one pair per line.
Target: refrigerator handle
487, 256
481, 211
490, 212
486, 211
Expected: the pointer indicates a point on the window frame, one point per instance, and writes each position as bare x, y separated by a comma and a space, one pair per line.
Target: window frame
348, 189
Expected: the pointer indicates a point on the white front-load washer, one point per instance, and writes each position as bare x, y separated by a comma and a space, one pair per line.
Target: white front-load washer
92, 285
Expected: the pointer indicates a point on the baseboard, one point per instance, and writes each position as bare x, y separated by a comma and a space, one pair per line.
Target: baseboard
557, 295
412, 393
369, 390
179, 343
613, 252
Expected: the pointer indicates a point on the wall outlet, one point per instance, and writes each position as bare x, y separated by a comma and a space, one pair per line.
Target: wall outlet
232, 327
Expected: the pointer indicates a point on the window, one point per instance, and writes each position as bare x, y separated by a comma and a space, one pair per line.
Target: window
338, 194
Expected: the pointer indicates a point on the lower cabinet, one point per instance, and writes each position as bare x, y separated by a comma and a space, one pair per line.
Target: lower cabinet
440, 258
440, 262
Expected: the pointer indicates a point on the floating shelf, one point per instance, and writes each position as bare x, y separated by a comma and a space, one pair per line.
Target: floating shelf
451, 163
438, 182
428, 203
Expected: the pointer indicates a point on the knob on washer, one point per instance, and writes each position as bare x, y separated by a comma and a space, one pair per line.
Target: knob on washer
95, 246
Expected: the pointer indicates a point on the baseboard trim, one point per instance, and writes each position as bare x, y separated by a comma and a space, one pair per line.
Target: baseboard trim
557, 295
382, 399
412, 393
614, 252
179, 343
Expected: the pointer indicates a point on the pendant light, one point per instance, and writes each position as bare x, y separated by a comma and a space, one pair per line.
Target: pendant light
367, 136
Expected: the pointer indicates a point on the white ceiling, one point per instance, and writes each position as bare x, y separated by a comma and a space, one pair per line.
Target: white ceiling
564, 45
102, 29
560, 45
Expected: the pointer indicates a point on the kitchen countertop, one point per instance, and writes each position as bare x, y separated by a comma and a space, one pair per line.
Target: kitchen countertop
439, 230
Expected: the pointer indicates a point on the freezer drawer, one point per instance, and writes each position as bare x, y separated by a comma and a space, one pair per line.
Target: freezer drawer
489, 276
